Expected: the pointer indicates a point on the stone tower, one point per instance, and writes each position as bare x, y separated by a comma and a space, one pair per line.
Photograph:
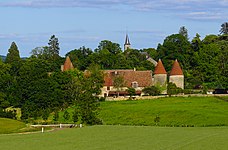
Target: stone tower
160, 74
67, 65
176, 75
127, 43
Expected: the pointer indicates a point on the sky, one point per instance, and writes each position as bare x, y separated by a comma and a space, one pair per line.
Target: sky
76, 23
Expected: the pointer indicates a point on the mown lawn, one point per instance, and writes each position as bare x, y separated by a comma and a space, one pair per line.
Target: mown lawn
9, 125
173, 111
121, 138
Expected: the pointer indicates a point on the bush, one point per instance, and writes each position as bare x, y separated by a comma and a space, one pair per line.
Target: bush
66, 115
153, 90
172, 89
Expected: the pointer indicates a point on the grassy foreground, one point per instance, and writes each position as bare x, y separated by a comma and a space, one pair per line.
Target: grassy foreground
173, 111
9, 125
120, 137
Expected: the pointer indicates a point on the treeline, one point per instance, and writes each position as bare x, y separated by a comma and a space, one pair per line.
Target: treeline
38, 87
204, 62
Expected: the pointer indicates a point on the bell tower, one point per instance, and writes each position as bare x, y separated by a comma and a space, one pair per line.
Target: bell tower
127, 43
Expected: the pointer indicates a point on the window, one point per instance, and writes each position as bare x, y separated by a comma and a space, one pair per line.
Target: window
108, 88
134, 84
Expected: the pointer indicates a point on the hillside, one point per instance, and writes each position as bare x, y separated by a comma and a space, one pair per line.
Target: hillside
174, 111
10, 126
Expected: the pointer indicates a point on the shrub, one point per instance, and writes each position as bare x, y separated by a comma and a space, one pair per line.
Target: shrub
66, 115
153, 90
172, 89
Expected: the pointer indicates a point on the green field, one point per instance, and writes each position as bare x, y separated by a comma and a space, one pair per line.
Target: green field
120, 137
9, 125
173, 111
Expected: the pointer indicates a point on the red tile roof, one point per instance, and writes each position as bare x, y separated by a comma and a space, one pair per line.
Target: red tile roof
159, 69
68, 64
144, 78
176, 69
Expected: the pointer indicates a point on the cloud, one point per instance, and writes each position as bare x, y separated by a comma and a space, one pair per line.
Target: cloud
215, 10
153, 4
203, 16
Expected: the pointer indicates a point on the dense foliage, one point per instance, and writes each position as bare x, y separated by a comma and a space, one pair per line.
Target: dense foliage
38, 87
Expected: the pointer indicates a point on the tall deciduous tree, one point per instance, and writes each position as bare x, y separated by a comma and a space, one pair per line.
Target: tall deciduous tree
80, 57
84, 88
224, 28
175, 46
118, 82
113, 48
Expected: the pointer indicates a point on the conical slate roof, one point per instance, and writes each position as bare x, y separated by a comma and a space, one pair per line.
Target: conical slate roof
68, 64
127, 41
176, 69
160, 69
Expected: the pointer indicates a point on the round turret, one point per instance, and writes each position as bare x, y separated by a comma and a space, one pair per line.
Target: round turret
176, 75
160, 74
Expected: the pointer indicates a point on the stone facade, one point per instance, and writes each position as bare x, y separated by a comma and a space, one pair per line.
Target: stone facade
141, 79
178, 80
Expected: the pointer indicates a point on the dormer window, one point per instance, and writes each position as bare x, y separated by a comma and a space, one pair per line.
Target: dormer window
134, 84
108, 88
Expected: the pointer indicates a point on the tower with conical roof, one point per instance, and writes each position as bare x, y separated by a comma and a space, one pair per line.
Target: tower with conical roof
160, 74
176, 75
127, 43
67, 65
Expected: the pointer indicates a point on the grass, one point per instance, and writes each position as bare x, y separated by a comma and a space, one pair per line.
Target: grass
9, 125
173, 111
121, 138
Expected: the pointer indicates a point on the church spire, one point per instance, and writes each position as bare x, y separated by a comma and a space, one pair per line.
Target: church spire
127, 43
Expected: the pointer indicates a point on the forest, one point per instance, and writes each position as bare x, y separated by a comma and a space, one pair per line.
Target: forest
38, 86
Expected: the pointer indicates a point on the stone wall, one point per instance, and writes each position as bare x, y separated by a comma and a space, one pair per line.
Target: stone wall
160, 79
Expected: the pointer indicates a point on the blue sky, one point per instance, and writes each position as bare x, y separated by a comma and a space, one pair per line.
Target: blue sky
30, 23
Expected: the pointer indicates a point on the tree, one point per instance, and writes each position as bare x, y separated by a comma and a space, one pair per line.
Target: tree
75, 115
13, 58
66, 115
118, 82
45, 114
183, 31
41, 52
54, 47
224, 28
175, 46
80, 57
84, 87
56, 116
113, 48
13, 54
172, 89
196, 42
131, 91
